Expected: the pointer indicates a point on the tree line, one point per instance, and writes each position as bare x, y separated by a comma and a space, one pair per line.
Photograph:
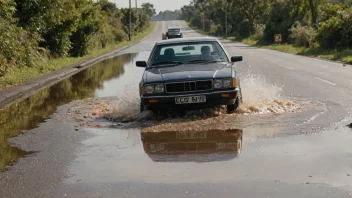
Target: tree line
167, 15
32, 31
308, 23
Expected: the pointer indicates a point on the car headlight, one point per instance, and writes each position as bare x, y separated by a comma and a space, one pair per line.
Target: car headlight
155, 88
217, 84
159, 88
149, 89
227, 83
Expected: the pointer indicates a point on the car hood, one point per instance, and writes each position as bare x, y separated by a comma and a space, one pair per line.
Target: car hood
188, 72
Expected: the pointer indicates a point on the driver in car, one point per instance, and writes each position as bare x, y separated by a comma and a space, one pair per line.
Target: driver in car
206, 55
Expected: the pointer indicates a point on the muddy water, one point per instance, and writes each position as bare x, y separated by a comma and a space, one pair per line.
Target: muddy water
96, 81
231, 156
106, 95
192, 146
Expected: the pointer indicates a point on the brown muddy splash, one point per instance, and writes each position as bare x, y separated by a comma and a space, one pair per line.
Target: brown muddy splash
259, 99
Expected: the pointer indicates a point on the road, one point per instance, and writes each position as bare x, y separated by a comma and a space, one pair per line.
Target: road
84, 137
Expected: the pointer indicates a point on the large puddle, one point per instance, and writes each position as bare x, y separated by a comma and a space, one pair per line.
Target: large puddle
106, 95
96, 81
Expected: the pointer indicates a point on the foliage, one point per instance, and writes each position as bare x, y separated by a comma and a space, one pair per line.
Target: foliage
148, 9
34, 31
303, 36
336, 32
167, 15
22, 74
89, 25
301, 22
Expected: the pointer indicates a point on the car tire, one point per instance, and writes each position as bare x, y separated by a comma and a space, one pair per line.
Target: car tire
141, 107
233, 107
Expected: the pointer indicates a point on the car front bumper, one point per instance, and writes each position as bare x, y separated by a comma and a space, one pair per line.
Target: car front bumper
213, 99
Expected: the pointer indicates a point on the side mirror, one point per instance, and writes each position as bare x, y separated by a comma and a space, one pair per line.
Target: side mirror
141, 64
236, 58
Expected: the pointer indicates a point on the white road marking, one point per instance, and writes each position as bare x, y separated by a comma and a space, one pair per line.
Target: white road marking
328, 82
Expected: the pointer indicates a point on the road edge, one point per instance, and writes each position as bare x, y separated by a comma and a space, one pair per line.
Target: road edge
19, 92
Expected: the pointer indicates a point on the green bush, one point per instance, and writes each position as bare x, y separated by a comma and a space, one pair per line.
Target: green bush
119, 35
303, 36
17, 47
336, 32
32, 31
259, 32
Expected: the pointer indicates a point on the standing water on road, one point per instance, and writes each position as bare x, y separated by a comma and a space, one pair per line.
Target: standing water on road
98, 80
114, 85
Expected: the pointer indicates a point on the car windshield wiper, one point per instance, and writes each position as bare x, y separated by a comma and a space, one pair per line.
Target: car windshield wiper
203, 61
167, 63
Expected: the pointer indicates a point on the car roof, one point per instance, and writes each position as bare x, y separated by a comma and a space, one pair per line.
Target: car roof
186, 40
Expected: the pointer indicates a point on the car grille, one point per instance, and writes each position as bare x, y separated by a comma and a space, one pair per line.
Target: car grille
189, 86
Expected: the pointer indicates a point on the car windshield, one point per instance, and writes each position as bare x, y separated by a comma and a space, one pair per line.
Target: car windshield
174, 30
188, 53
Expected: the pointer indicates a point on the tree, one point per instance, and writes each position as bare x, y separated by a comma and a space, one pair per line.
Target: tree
148, 8
54, 20
252, 10
314, 6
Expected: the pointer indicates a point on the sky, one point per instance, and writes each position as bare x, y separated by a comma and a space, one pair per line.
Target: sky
159, 5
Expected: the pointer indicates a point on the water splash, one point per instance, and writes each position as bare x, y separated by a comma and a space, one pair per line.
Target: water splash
261, 97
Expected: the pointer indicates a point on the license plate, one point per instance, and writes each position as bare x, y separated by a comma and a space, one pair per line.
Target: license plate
156, 147
190, 99
191, 135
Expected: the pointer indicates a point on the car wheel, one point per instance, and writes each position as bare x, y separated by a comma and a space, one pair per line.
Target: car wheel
141, 107
231, 108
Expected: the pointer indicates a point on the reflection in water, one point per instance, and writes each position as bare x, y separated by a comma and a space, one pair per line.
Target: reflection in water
192, 146
28, 113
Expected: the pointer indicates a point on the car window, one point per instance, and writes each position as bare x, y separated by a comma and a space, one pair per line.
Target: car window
174, 30
186, 52
179, 49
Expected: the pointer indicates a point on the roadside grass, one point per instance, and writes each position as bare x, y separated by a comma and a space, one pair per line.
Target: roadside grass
343, 56
20, 75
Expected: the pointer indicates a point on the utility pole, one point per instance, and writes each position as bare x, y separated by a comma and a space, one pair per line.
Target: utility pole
226, 18
130, 29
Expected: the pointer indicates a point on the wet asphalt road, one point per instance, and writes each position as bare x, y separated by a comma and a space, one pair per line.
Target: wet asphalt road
307, 154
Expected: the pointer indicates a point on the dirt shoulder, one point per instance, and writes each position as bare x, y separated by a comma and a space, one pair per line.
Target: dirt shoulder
11, 94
